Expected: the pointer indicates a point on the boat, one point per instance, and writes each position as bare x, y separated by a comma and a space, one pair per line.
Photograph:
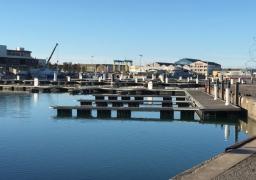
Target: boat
46, 74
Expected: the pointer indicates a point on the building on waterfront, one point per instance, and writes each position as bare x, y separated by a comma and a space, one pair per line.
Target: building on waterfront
232, 72
16, 60
204, 67
106, 68
186, 61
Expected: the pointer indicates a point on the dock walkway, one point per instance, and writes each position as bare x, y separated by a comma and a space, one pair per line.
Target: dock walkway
209, 106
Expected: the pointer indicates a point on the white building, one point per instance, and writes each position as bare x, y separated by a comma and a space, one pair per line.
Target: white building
204, 68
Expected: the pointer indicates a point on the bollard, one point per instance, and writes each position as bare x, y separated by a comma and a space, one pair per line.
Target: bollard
161, 77
166, 80
237, 93
36, 82
227, 96
80, 75
150, 85
209, 86
218, 82
54, 77
222, 89
121, 77
112, 77
215, 92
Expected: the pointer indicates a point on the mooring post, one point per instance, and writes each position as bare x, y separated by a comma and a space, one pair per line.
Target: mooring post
153, 77
237, 93
54, 76
227, 95
222, 89
36, 82
209, 86
166, 80
215, 91
218, 83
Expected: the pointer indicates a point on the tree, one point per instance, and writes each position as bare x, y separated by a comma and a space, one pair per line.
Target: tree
65, 67
78, 67
83, 68
70, 67
55, 66
50, 66
75, 68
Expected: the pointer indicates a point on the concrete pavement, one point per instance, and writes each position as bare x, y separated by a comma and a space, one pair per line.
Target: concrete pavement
236, 164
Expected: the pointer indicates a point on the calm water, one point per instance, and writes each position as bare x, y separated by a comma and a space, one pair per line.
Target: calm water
35, 144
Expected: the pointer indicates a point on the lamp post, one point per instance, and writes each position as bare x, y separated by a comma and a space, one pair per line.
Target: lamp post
92, 59
140, 62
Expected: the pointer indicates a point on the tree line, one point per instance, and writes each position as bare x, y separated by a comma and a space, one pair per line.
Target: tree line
67, 67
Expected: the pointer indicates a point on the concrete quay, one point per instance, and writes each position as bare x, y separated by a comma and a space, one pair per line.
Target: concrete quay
237, 164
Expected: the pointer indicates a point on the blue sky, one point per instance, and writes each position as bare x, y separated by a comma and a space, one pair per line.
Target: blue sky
160, 30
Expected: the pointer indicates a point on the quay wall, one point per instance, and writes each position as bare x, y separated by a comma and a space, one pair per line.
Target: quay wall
246, 102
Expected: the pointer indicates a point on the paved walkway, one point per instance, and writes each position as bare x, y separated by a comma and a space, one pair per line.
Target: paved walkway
237, 164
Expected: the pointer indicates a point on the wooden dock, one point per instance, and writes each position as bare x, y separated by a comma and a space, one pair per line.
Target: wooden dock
192, 102
210, 107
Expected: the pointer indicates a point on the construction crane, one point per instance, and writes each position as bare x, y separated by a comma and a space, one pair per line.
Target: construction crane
51, 55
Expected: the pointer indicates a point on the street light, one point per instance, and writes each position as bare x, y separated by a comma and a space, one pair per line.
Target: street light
140, 62
92, 59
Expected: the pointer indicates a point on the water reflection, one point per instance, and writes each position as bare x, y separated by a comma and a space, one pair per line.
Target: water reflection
227, 131
36, 96
225, 124
248, 126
